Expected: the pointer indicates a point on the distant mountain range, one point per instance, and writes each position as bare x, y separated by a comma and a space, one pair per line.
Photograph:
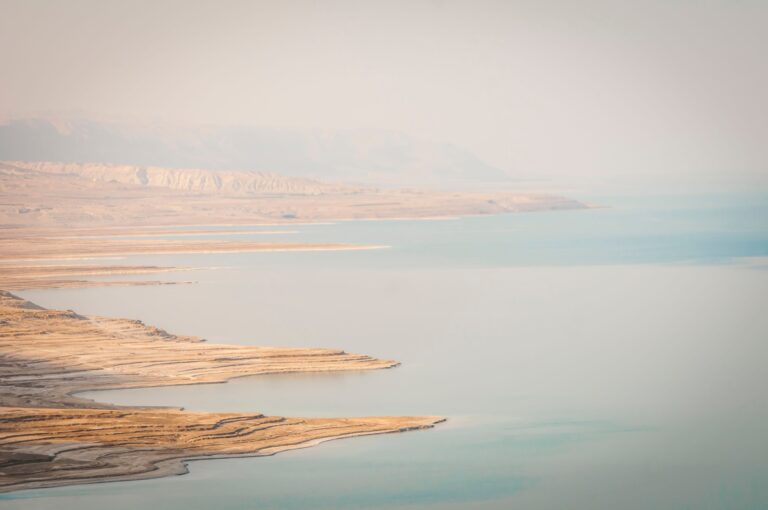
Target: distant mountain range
382, 158
54, 194
210, 182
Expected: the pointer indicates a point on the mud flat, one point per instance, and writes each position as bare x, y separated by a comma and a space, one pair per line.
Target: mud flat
19, 277
49, 437
54, 248
25, 260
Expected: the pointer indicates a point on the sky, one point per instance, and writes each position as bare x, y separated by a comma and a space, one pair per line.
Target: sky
571, 88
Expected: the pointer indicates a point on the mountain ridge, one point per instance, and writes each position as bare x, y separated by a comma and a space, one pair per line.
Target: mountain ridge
368, 157
226, 182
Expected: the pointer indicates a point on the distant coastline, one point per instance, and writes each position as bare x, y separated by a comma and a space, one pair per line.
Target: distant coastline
51, 212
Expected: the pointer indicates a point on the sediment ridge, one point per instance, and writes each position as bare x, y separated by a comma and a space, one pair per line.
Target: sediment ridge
50, 437
55, 212
21, 277
55, 447
53, 248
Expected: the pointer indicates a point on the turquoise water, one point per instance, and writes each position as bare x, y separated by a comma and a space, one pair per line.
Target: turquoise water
609, 358
630, 230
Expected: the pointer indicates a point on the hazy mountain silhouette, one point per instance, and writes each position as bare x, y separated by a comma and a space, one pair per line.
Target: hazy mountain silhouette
385, 158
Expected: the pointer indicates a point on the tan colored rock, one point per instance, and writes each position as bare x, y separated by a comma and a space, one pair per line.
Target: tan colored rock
50, 438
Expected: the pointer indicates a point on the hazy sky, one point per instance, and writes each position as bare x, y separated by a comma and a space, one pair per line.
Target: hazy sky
572, 87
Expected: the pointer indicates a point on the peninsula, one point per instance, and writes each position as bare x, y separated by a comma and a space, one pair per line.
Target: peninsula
52, 214
50, 437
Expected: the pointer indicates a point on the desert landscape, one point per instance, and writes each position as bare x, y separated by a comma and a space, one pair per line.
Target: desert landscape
109, 195
514, 253
49, 437
58, 220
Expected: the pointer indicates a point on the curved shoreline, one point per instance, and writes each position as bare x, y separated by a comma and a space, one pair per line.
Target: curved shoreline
153, 463
50, 437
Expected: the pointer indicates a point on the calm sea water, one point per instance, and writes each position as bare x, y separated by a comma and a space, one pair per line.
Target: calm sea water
609, 358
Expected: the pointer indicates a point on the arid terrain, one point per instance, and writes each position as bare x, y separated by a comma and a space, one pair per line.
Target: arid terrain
75, 195
50, 276
49, 437
52, 214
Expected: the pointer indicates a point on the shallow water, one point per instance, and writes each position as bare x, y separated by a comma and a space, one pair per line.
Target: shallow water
610, 358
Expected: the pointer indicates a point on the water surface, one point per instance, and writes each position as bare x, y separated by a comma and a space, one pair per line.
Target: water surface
610, 358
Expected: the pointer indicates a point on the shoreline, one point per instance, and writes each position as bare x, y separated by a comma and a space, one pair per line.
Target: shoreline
48, 357
181, 466
71, 440
46, 249
49, 436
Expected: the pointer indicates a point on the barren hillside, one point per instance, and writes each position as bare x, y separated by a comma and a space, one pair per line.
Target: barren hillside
72, 195
190, 180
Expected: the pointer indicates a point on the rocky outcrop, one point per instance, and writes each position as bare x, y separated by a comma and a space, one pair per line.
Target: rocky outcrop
75, 195
226, 183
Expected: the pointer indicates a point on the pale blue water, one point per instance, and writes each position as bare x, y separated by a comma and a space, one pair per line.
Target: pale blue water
632, 230
610, 358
